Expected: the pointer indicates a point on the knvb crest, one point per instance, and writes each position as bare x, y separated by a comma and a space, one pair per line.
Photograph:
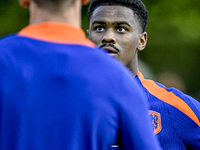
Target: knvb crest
156, 121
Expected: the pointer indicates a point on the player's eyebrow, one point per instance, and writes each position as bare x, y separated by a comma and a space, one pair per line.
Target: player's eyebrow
118, 23
98, 22
123, 23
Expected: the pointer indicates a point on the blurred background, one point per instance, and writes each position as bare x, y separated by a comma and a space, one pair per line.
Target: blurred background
172, 55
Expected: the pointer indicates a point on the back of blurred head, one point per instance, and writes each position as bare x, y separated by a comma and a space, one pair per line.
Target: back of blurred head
51, 3
68, 11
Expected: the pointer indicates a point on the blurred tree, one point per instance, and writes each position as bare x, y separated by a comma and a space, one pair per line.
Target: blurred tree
85, 23
12, 17
173, 39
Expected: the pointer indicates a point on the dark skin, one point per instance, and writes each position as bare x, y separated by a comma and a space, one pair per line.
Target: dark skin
117, 30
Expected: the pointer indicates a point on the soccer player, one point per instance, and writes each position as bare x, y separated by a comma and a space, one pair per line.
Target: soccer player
118, 26
57, 92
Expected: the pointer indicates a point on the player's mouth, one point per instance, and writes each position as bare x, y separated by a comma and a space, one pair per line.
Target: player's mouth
111, 49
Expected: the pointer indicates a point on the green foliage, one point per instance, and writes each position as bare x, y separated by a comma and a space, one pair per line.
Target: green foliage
13, 17
173, 40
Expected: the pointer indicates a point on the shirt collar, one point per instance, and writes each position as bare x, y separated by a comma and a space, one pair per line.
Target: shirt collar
56, 32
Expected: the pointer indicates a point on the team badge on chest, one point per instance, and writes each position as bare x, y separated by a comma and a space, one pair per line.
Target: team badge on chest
156, 121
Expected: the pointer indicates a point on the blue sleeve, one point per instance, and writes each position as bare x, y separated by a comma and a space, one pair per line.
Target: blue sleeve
187, 129
135, 114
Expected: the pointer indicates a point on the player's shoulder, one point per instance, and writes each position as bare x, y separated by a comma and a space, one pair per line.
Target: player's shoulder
181, 102
173, 98
8, 41
7, 38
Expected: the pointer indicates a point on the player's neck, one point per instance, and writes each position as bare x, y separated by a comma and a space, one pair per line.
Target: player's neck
133, 69
133, 65
70, 15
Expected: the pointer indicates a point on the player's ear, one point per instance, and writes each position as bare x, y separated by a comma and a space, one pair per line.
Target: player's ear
143, 41
24, 3
85, 2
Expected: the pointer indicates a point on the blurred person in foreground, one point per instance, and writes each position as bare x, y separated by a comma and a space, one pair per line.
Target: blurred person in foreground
118, 26
59, 93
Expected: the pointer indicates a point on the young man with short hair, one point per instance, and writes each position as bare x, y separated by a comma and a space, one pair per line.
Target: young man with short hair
118, 26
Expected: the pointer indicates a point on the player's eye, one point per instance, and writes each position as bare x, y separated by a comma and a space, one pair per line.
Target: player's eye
121, 29
99, 29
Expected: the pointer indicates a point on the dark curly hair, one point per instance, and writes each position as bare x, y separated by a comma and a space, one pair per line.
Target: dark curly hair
137, 6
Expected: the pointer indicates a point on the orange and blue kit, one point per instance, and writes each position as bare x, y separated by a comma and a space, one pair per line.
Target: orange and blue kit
175, 116
58, 92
